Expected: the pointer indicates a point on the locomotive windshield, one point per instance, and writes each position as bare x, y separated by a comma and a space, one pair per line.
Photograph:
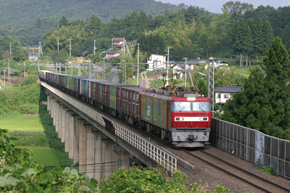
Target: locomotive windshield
190, 106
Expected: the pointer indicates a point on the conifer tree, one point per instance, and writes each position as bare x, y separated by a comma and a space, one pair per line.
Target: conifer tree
264, 104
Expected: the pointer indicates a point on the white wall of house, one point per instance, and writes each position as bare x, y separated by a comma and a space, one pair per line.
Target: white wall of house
109, 56
221, 98
160, 58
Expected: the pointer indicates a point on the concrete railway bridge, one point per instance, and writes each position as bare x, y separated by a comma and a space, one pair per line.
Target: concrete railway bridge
98, 143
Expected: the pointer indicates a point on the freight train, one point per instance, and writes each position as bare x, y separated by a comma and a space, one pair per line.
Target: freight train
179, 116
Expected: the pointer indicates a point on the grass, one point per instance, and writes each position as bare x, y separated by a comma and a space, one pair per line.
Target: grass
32, 139
44, 156
37, 134
244, 71
21, 123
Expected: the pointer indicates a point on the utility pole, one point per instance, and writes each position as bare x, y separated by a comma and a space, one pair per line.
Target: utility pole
94, 47
38, 66
138, 65
185, 70
104, 70
167, 66
124, 72
57, 44
71, 68
39, 50
65, 68
8, 71
4, 78
79, 71
24, 69
70, 47
155, 73
9, 77
211, 83
90, 68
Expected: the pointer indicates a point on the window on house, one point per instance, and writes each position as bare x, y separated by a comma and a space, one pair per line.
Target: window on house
226, 96
219, 96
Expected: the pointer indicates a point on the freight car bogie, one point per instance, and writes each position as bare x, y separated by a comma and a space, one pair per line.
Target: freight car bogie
162, 133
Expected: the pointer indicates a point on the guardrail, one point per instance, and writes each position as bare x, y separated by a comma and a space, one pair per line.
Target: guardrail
154, 152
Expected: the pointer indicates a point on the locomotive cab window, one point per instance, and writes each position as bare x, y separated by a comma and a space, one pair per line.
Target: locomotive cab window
181, 106
201, 106
190, 106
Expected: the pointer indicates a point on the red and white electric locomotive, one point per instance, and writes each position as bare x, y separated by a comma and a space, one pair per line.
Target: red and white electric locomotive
179, 116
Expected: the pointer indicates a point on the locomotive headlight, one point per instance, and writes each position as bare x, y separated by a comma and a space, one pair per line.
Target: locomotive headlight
205, 133
191, 98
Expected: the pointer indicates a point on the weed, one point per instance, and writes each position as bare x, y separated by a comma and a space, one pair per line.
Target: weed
267, 170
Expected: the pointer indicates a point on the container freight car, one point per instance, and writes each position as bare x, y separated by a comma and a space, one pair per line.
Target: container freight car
179, 116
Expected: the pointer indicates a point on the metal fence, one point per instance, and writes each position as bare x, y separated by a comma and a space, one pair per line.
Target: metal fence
252, 146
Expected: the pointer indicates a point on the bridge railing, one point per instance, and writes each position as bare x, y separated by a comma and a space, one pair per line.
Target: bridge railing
156, 153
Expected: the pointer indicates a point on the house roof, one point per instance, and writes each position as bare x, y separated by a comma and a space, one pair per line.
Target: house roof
156, 55
197, 61
118, 39
112, 51
228, 89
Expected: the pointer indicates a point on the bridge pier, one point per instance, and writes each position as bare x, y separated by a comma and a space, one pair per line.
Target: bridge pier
90, 153
96, 154
67, 132
76, 142
63, 118
71, 139
59, 121
82, 147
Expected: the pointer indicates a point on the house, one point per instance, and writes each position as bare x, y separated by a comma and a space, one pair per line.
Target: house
118, 42
32, 57
222, 94
112, 54
159, 59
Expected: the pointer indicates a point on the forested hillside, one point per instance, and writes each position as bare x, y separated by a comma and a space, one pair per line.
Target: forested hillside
19, 12
191, 32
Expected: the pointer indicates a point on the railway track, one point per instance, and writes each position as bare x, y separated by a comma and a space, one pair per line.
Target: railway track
239, 173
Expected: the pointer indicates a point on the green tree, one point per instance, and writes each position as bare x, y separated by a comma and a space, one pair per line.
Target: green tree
95, 25
59, 57
236, 9
264, 104
286, 36
63, 22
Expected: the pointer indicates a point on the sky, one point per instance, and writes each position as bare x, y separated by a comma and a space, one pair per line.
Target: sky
215, 6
